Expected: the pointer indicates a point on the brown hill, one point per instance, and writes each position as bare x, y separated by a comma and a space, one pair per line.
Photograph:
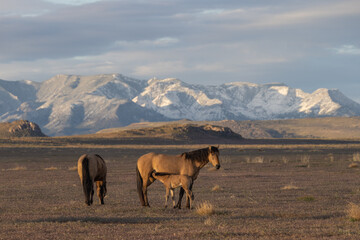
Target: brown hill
177, 132
313, 128
20, 128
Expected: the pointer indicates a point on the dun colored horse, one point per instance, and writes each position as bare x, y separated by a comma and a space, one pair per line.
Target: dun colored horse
174, 181
92, 168
188, 163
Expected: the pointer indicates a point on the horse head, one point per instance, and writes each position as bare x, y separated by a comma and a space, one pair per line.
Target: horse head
214, 156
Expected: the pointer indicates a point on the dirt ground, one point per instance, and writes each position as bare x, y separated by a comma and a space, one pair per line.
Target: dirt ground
271, 193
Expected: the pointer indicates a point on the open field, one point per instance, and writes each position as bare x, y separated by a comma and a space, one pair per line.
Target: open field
260, 192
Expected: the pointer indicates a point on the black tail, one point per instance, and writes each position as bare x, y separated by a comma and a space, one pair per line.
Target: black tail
86, 181
139, 182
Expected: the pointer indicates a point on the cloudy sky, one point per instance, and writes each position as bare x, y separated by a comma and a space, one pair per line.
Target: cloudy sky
304, 44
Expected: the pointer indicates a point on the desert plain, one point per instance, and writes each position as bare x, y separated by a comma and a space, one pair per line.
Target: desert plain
261, 191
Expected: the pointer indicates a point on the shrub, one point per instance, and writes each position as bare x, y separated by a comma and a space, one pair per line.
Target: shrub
205, 209
258, 159
216, 188
289, 187
305, 160
353, 165
50, 168
356, 157
353, 212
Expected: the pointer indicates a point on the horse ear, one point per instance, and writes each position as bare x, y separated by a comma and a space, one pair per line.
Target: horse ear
218, 146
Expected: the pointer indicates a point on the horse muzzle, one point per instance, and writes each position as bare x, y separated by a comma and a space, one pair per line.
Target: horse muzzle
217, 166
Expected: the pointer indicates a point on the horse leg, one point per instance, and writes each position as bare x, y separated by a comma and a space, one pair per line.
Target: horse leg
181, 194
145, 186
188, 200
144, 190
92, 194
100, 191
166, 196
188, 197
172, 197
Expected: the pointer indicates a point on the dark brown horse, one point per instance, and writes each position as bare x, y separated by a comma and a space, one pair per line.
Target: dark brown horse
188, 163
92, 168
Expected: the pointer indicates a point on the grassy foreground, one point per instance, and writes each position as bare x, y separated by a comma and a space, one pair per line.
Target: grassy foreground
294, 191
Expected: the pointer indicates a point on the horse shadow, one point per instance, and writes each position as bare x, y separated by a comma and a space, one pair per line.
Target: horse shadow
103, 220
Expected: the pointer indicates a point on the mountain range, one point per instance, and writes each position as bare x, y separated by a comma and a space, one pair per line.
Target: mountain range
72, 104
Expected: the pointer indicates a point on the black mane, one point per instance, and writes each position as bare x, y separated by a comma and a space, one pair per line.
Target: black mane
200, 155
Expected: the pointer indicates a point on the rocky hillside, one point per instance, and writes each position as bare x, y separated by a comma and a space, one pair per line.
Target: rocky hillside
20, 128
312, 128
177, 132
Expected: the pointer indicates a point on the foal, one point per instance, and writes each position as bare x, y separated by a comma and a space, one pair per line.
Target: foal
172, 181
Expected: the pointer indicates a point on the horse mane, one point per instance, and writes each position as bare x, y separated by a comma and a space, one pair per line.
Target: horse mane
200, 155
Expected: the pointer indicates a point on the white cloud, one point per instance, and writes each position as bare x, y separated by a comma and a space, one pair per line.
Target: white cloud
72, 2
162, 68
276, 17
212, 11
160, 42
347, 50
165, 41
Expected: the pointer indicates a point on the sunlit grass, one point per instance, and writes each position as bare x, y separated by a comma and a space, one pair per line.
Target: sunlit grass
74, 168
353, 212
290, 187
51, 168
205, 209
216, 188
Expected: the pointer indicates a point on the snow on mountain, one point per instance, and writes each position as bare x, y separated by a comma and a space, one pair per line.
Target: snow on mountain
71, 104
176, 99
67, 104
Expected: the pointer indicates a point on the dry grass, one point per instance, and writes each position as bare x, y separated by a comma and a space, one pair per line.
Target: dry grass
251, 204
290, 187
74, 168
305, 161
216, 188
257, 159
353, 212
209, 222
205, 209
19, 168
307, 198
285, 160
51, 168
356, 157
353, 165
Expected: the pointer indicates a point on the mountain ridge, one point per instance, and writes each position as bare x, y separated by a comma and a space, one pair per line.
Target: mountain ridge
74, 104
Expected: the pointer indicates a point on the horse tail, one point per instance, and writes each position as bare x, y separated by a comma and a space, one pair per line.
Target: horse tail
139, 182
86, 179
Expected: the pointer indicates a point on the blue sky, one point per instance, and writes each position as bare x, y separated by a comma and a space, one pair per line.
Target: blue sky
304, 44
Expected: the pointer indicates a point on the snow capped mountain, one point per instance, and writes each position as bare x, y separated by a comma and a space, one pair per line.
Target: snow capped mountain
70, 104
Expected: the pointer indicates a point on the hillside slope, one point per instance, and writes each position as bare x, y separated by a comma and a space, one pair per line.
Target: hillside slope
313, 128
174, 132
